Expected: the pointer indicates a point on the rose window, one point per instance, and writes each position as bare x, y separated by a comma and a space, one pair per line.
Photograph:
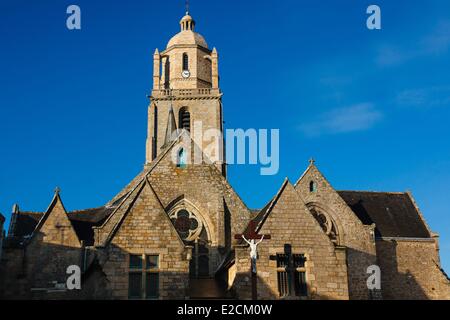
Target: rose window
188, 225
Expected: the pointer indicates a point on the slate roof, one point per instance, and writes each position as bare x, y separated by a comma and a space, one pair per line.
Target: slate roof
82, 221
394, 214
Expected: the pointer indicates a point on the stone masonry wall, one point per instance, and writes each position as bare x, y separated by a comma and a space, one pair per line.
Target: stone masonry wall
358, 238
291, 223
205, 187
44, 261
146, 229
409, 270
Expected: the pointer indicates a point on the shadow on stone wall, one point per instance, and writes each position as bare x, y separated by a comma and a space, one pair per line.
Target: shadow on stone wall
265, 292
396, 285
37, 272
40, 266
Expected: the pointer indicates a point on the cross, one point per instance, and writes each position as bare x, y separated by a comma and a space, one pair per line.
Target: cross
187, 7
250, 236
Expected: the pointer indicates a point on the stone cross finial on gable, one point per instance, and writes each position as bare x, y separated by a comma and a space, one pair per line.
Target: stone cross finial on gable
57, 190
312, 161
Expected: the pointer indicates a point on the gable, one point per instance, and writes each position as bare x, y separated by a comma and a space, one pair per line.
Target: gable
146, 222
350, 229
289, 220
204, 185
55, 227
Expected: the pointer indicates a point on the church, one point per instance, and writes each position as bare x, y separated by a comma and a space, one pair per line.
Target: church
175, 231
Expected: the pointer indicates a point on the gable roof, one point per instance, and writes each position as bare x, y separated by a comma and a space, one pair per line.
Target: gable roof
119, 198
116, 224
56, 199
25, 224
126, 193
82, 221
394, 214
255, 224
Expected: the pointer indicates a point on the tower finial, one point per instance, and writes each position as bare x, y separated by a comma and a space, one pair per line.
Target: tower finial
187, 7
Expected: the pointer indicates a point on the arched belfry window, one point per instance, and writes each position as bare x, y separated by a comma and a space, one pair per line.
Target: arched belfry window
185, 62
181, 159
185, 119
312, 186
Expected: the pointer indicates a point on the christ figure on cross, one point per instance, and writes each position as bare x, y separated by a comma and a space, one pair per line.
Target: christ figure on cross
253, 250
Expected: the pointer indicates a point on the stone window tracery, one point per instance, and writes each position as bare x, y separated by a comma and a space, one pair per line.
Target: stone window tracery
187, 224
326, 224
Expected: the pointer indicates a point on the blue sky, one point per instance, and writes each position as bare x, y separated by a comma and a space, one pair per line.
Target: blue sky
372, 107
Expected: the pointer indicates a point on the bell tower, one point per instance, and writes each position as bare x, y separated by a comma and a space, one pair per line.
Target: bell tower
186, 94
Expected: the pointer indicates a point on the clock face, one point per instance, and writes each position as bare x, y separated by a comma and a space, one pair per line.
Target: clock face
186, 74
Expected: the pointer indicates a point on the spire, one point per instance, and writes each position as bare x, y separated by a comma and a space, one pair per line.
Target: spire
187, 7
171, 128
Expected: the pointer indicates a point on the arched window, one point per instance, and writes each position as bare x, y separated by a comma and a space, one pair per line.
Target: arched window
184, 119
167, 74
312, 187
326, 223
185, 62
181, 159
193, 230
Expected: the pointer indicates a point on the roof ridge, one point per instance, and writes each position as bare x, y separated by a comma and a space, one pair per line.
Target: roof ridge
164, 210
272, 204
30, 212
113, 230
371, 191
303, 174
87, 209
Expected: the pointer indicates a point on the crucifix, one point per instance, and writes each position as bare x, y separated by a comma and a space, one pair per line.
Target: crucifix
253, 239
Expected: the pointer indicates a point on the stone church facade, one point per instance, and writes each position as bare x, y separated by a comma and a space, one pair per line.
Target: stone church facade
170, 233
